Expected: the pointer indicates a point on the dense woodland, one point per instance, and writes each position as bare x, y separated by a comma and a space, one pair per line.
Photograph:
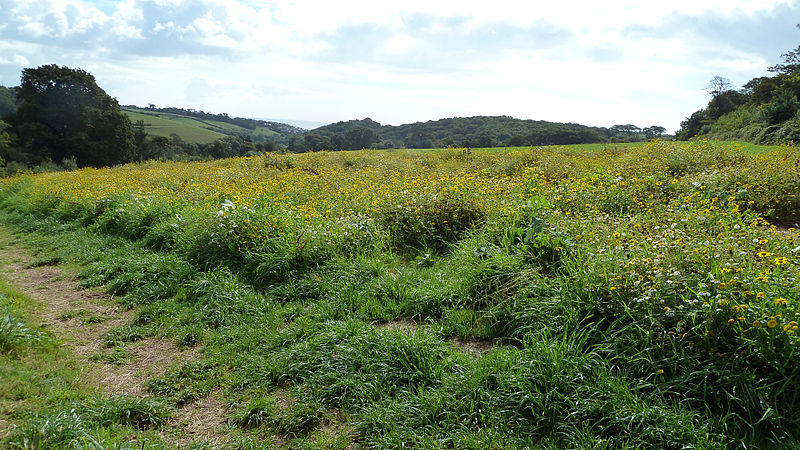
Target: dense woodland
478, 131
763, 111
60, 118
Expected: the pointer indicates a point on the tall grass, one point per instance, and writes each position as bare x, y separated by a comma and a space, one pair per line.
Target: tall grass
636, 296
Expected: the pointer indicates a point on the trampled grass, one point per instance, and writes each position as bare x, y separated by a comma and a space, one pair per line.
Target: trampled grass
621, 295
44, 400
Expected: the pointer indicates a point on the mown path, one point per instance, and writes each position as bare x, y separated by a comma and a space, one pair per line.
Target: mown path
81, 319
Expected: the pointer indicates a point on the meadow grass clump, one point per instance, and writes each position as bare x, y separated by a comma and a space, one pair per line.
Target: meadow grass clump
139, 279
346, 364
422, 222
16, 335
97, 422
59, 430
130, 217
126, 410
548, 392
220, 298
186, 383
257, 412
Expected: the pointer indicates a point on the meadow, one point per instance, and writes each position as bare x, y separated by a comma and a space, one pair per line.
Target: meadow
556, 297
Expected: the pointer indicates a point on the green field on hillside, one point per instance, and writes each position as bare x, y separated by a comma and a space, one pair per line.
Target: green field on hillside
602, 296
191, 129
160, 124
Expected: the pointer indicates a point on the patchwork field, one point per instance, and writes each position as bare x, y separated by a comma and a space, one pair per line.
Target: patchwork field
555, 297
192, 129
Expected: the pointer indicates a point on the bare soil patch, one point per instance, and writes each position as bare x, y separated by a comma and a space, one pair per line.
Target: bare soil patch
400, 324
202, 420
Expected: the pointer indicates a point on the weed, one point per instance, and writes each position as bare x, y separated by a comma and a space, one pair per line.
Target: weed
15, 335
122, 335
187, 383
116, 356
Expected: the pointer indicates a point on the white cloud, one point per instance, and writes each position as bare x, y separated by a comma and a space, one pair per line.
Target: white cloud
593, 62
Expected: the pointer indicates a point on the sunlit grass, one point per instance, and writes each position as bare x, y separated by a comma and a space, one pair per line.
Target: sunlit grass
642, 293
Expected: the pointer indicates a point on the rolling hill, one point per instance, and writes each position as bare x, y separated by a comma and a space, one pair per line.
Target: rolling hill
201, 128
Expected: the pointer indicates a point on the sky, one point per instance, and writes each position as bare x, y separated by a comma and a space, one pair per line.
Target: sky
594, 63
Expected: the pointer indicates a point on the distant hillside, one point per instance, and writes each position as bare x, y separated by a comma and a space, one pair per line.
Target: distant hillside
200, 127
478, 131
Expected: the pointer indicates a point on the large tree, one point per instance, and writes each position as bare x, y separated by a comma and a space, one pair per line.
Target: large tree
63, 113
718, 85
7, 102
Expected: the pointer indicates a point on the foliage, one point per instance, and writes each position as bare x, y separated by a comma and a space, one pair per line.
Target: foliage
8, 102
62, 113
76, 425
15, 335
479, 131
782, 108
791, 62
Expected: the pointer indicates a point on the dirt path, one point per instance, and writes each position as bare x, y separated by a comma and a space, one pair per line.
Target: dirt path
81, 318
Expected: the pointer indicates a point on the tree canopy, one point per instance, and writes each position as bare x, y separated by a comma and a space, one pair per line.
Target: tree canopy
62, 113
477, 131
8, 103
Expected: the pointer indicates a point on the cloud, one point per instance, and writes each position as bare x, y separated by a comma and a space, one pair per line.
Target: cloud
735, 42
426, 43
405, 61
201, 88
139, 27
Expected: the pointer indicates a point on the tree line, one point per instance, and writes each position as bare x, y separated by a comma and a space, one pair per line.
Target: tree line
478, 131
765, 110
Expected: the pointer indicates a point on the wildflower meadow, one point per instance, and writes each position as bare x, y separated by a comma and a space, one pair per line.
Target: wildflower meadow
598, 296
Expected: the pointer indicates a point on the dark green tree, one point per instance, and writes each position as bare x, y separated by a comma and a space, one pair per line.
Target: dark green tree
7, 102
63, 113
725, 102
782, 108
718, 85
653, 131
5, 138
360, 137
484, 140
315, 142
693, 125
